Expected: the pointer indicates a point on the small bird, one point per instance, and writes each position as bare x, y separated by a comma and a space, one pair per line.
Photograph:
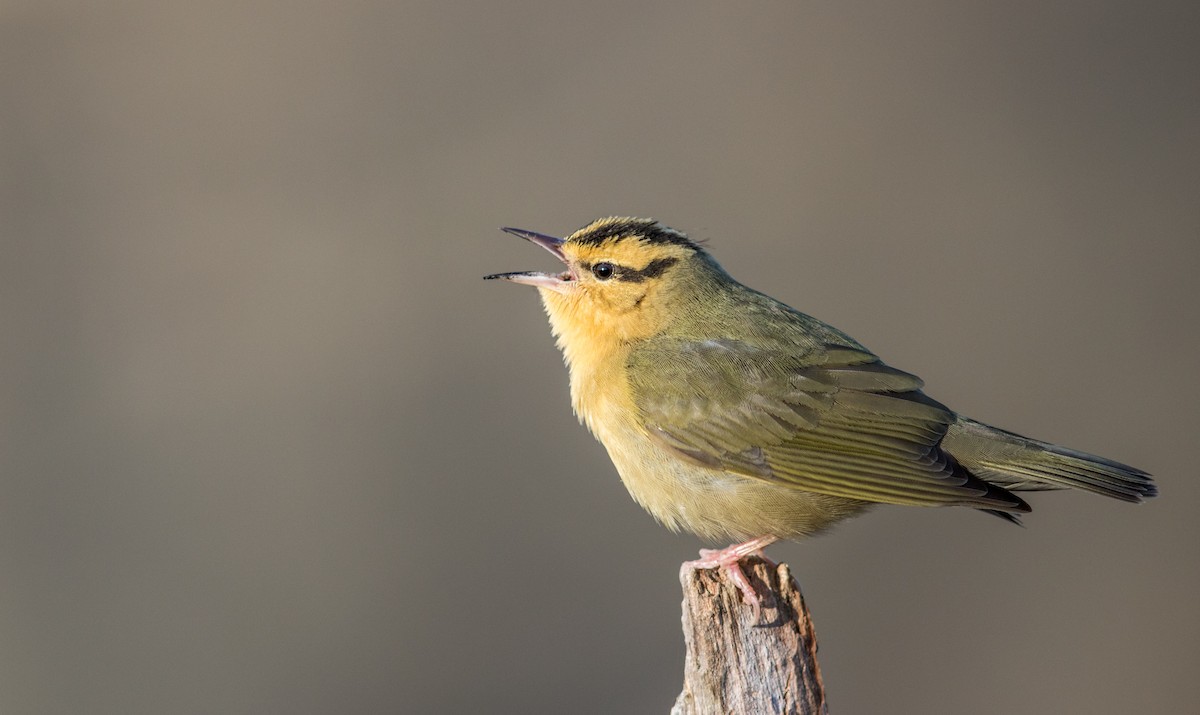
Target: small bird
733, 416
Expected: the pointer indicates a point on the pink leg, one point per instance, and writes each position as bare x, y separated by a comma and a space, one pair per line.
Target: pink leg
727, 560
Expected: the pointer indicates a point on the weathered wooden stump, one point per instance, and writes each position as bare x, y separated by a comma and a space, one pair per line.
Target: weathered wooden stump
740, 660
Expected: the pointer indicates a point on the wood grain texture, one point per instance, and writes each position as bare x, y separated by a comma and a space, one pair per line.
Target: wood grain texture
743, 661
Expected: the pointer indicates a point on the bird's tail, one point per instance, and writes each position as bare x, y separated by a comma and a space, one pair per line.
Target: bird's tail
1021, 464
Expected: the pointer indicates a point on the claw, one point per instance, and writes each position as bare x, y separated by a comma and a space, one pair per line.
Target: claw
728, 560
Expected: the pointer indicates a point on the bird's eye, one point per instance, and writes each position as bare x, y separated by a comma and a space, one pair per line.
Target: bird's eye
603, 271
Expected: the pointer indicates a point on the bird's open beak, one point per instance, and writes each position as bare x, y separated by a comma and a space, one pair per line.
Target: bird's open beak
553, 281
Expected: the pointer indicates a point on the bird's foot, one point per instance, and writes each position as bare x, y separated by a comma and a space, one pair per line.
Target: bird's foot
728, 560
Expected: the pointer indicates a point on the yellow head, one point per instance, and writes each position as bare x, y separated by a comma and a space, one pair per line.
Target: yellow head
626, 278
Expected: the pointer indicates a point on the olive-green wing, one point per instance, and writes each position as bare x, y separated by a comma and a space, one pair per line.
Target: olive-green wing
833, 420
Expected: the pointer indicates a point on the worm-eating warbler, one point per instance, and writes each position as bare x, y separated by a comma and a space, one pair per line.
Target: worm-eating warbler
730, 415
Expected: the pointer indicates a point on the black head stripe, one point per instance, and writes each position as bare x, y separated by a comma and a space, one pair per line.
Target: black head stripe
647, 230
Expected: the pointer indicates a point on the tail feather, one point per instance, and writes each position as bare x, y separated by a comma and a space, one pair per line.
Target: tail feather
1022, 464
1005, 515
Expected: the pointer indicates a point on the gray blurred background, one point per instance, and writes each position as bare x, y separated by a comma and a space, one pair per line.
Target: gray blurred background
269, 445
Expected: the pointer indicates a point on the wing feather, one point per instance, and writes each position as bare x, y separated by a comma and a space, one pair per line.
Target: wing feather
832, 420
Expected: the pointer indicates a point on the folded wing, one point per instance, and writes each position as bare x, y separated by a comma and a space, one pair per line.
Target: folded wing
832, 420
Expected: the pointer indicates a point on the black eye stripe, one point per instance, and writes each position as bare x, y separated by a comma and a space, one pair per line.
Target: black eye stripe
654, 269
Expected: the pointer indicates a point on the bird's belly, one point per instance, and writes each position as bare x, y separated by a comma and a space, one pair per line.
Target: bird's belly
715, 504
